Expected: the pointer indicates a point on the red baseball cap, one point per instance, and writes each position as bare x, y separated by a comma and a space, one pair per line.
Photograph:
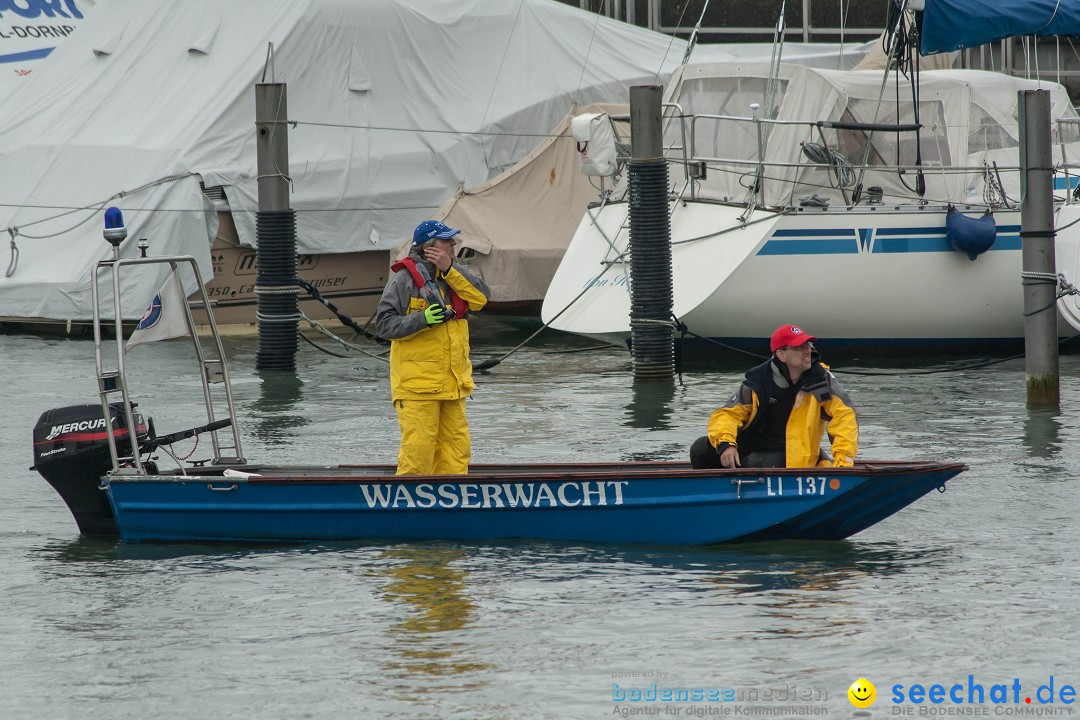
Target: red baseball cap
789, 336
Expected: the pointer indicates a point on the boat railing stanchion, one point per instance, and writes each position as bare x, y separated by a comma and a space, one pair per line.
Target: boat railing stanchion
113, 381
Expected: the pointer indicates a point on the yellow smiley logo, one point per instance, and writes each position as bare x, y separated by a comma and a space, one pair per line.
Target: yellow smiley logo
862, 693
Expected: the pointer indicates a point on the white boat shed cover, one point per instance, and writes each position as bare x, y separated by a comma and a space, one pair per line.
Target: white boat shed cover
395, 103
30, 30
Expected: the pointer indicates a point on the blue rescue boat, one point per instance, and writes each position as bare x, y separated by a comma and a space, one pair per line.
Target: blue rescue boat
642, 502
105, 474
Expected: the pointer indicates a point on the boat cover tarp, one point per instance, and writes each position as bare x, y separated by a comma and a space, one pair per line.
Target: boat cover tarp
520, 223
958, 24
30, 31
396, 103
969, 120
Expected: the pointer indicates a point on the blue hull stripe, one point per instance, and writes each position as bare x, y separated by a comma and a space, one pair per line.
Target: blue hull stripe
28, 55
845, 241
810, 247
826, 232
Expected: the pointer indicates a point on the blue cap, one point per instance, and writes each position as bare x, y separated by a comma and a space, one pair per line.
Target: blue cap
431, 229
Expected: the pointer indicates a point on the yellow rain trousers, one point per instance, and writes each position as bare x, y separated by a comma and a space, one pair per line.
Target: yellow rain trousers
434, 437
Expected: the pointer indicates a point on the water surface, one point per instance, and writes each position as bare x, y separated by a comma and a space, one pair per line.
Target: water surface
980, 580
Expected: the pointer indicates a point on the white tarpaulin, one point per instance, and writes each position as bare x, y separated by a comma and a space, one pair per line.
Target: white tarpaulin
30, 30
395, 104
966, 116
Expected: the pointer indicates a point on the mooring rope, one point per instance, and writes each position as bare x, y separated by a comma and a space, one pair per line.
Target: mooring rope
16, 230
318, 326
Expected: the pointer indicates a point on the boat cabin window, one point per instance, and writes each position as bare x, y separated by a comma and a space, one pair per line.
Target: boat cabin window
892, 148
986, 133
733, 96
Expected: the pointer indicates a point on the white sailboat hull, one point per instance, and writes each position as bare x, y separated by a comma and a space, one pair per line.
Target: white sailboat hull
871, 274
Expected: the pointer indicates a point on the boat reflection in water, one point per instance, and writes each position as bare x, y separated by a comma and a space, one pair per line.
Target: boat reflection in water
428, 584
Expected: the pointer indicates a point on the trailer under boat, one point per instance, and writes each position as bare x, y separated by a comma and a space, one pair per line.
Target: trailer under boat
100, 459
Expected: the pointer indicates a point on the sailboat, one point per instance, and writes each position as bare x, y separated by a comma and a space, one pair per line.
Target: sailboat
833, 202
876, 208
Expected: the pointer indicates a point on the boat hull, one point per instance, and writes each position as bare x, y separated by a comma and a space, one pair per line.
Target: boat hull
656, 503
865, 276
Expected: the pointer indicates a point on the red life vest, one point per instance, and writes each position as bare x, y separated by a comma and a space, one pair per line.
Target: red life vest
459, 306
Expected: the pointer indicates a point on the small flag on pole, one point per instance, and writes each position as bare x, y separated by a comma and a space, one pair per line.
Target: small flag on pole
164, 318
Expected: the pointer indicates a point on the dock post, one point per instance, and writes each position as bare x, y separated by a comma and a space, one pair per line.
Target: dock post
275, 282
652, 333
1037, 239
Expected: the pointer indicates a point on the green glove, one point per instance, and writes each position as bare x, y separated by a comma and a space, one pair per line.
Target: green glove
434, 315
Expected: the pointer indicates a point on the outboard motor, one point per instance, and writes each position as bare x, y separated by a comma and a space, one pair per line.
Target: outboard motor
71, 451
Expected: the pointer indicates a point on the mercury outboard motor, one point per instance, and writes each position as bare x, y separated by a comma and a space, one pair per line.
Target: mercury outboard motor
71, 451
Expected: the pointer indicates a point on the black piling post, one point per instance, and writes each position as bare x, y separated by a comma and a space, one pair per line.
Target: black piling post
275, 283
651, 330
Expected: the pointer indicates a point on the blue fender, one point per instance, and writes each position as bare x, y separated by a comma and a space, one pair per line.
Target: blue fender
971, 236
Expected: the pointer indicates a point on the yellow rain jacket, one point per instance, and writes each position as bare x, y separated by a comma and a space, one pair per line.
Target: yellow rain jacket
429, 363
820, 403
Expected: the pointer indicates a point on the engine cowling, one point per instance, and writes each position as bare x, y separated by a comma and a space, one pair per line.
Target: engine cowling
71, 451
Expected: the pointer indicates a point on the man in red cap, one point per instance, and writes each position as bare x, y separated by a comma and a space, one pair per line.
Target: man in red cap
779, 414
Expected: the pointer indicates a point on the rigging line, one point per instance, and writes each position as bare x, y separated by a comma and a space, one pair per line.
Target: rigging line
588, 50
892, 40
234, 210
1052, 16
836, 370
1035, 54
273, 130
774, 73
843, 27
692, 42
811, 185
656, 77
14, 253
494, 85
386, 128
96, 207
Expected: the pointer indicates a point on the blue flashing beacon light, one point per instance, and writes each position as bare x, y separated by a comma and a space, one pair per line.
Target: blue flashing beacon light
115, 232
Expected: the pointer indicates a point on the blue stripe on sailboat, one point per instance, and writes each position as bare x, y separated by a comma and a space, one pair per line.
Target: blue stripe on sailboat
811, 241
28, 55
911, 231
845, 241
915, 244
811, 232
809, 247
1059, 182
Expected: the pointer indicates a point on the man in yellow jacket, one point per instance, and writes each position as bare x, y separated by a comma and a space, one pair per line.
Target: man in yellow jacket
779, 414
423, 313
